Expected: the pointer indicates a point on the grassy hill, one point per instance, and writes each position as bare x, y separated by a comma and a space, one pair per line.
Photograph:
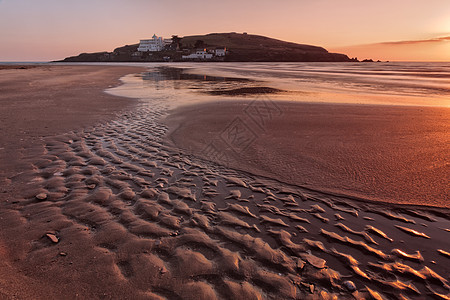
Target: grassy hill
248, 47
239, 41
241, 47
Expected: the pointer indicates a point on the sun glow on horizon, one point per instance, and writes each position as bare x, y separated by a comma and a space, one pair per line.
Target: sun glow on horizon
434, 49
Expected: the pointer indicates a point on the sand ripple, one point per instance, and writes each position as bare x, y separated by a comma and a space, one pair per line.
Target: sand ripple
172, 226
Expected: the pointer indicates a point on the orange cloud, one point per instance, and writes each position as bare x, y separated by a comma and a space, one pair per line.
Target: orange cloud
433, 40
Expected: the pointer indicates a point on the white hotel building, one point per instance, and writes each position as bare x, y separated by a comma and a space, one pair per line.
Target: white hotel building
153, 44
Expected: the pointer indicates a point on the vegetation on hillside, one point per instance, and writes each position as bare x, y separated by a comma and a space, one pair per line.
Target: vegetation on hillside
240, 47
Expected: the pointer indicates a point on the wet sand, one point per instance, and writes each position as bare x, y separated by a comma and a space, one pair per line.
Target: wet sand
37, 101
42, 100
395, 154
110, 209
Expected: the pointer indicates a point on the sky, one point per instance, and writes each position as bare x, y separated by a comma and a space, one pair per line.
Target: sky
396, 30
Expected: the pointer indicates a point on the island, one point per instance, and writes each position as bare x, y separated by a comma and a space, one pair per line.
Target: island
231, 47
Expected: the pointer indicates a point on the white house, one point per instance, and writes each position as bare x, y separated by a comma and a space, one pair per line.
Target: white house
153, 44
199, 54
221, 51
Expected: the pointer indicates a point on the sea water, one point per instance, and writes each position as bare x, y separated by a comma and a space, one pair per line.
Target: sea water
385, 83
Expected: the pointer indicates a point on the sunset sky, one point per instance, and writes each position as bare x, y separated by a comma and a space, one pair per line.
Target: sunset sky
42, 30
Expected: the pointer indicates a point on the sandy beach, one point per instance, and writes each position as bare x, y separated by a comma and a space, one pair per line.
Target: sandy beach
384, 153
103, 197
38, 101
